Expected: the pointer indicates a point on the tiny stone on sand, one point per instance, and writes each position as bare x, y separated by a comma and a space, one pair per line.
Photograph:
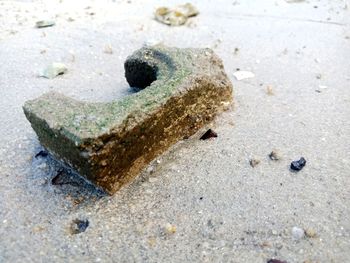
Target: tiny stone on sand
169, 228
298, 233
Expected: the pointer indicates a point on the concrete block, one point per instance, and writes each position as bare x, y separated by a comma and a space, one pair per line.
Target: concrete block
110, 143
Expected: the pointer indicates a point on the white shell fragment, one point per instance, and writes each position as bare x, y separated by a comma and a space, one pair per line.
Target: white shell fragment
175, 16
108, 49
44, 23
54, 70
240, 75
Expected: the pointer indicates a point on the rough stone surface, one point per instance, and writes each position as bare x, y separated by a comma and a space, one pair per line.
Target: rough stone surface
110, 143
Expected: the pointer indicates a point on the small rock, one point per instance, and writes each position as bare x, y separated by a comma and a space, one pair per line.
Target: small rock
298, 233
108, 49
187, 9
54, 70
209, 134
44, 23
298, 165
241, 74
310, 232
269, 91
274, 232
169, 228
79, 226
254, 162
41, 154
274, 155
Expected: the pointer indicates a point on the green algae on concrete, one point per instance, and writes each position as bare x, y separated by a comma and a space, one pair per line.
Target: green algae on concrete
110, 143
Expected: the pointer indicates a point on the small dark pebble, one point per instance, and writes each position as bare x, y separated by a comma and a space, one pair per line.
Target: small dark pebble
209, 134
276, 261
298, 165
201, 198
62, 178
41, 154
274, 156
254, 162
57, 178
79, 226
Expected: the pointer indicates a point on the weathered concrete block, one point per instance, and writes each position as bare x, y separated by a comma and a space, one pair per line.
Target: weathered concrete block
110, 143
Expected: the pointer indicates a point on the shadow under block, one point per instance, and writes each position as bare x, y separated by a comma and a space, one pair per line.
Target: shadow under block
110, 143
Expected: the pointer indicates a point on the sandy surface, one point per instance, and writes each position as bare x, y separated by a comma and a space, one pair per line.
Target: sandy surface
223, 209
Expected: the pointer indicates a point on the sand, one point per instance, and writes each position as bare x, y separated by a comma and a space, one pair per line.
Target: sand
201, 201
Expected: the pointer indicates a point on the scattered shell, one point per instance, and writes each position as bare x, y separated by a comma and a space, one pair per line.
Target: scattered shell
170, 17
187, 9
240, 75
54, 70
269, 91
37, 229
169, 228
108, 49
310, 232
176, 16
45, 23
